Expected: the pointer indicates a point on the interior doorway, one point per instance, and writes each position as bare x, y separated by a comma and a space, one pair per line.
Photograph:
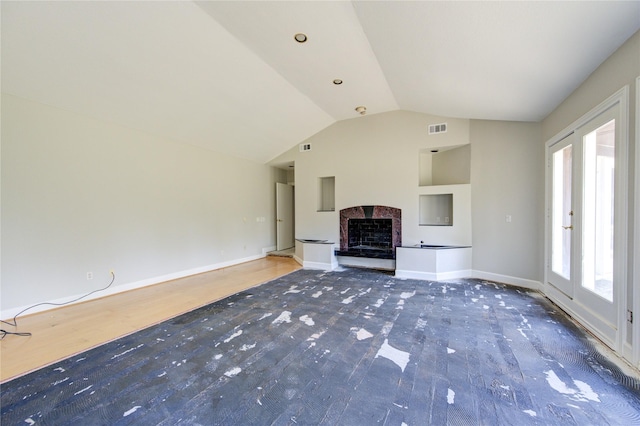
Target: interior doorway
285, 226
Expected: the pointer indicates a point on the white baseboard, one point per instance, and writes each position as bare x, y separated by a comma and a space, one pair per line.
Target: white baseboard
318, 265
433, 276
268, 249
506, 279
8, 314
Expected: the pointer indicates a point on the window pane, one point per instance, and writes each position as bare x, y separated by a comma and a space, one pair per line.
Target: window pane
561, 215
598, 208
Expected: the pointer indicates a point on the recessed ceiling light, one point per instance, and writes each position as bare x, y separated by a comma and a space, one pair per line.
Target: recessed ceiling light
300, 38
337, 82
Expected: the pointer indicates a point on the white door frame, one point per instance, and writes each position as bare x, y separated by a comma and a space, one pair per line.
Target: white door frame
635, 349
585, 316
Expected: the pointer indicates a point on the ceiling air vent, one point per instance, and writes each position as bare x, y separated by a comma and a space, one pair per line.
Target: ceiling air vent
305, 147
437, 128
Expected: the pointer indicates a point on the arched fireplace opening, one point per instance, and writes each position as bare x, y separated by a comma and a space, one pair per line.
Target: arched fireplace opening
370, 231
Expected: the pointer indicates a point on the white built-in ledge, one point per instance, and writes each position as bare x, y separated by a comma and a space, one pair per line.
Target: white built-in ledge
316, 254
435, 263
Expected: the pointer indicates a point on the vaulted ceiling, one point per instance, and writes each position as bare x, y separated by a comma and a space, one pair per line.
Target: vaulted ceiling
229, 76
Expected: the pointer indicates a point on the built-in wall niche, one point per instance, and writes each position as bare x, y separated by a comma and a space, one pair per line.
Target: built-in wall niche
445, 165
327, 194
436, 210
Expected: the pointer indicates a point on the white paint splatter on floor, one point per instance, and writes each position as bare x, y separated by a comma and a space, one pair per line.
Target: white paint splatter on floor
83, 390
348, 300
451, 395
379, 303
283, 317
530, 412
59, 381
345, 291
421, 324
29, 421
307, 320
316, 336
362, 334
218, 356
233, 372
584, 392
400, 358
293, 289
133, 410
485, 307
317, 294
233, 336
245, 347
265, 316
406, 295
127, 351
451, 351
60, 369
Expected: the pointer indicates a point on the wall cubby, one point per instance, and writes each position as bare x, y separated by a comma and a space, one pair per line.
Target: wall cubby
436, 210
445, 165
327, 194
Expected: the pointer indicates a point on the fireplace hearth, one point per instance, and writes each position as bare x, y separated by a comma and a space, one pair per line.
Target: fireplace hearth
370, 231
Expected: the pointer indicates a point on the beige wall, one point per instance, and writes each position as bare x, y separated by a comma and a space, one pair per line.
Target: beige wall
375, 160
507, 176
81, 195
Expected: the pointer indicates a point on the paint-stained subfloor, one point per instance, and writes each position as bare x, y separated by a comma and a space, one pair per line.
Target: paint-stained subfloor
348, 347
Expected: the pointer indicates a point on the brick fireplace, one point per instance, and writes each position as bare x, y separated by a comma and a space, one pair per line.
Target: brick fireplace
370, 231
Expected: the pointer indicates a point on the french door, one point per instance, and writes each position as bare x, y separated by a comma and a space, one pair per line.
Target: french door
581, 234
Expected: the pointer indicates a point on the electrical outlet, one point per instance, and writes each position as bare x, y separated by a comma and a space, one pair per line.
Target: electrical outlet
89, 275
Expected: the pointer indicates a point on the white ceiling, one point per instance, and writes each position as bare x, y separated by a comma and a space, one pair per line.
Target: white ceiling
228, 76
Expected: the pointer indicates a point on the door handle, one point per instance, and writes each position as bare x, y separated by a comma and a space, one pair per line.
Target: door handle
568, 227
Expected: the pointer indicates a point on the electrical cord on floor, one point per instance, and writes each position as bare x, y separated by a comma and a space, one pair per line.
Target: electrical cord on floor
14, 322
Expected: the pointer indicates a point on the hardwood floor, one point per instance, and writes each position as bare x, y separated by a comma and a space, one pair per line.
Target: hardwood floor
63, 332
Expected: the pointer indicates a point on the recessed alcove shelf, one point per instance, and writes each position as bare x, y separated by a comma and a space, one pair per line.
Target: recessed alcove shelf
445, 165
436, 209
327, 194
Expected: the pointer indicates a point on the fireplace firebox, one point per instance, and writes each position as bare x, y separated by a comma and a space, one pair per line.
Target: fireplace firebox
370, 231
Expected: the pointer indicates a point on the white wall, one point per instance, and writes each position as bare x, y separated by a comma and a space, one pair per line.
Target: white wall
81, 195
375, 160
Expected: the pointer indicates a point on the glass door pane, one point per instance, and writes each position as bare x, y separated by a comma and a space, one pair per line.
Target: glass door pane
598, 210
561, 215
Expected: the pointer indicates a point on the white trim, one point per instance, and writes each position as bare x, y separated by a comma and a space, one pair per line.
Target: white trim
620, 97
635, 328
268, 249
587, 318
120, 288
506, 279
319, 265
432, 276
